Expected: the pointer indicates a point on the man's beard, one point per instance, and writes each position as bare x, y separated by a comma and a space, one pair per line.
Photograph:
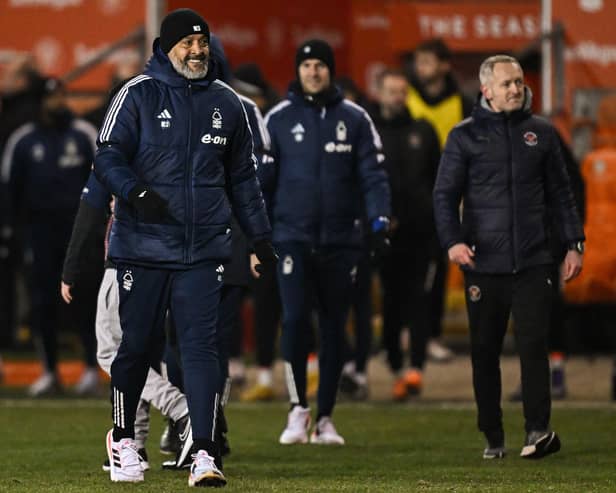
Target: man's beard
181, 67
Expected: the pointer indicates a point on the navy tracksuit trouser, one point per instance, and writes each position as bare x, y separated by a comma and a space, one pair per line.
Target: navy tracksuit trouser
306, 276
193, 297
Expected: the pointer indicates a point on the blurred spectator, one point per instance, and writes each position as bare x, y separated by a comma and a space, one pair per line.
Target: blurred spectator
412, 155
21, 88
435, 96
45, 164
351, 92
124, 70
248, 80
354, 381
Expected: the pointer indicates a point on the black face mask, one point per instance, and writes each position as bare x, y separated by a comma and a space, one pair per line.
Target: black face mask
58, 117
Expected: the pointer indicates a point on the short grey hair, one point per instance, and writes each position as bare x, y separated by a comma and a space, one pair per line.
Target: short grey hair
487, 67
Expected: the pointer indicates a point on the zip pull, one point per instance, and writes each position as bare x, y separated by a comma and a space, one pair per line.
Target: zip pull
323, 112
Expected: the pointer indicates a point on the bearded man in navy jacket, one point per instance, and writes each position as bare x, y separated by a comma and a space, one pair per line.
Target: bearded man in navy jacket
176, 150
327, 176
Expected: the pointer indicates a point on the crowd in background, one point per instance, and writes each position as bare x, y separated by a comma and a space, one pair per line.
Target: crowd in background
413, 113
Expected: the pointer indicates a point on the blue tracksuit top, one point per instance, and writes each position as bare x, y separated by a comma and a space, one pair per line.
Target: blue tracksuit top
327, 171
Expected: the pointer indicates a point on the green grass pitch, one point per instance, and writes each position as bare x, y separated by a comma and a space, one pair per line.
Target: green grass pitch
58, 446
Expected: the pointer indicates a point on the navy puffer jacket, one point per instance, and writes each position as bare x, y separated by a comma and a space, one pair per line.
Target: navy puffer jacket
191, 143
508, 172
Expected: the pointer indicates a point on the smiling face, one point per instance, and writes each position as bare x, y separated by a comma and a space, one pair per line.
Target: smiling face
190, 56
314, 76
504, 89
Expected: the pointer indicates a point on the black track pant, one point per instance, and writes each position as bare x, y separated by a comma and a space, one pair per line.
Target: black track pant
490, 299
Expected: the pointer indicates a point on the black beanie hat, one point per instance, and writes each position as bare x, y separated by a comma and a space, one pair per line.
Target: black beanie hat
179, 24
319, 49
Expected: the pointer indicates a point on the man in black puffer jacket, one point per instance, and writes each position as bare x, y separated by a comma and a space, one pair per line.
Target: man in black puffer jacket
506, 165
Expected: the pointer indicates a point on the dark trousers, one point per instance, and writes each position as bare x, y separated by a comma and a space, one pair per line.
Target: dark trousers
490, 299
193, 298
48, 240
437, 295
406, 301
228, 319
229, 323
267, 314
305, 275
361, 305
8, 312
557, 337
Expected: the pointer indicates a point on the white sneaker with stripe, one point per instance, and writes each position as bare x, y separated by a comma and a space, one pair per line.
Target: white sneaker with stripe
124, 461
203, 471
298, 423
325, 433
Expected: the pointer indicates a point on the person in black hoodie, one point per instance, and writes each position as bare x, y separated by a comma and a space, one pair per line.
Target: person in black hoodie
434, 95
412, 153
506, 165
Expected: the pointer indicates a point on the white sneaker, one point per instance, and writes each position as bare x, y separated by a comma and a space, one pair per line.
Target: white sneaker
325, 433
203, 471
298, 423
46, 384
438, 352
88, 383
124, 461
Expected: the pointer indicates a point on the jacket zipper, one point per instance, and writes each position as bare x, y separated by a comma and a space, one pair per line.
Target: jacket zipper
321, 230
514, 241
188, 216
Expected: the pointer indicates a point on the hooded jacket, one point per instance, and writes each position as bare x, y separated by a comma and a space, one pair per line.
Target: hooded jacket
189, 140
327, 173
508, 171
412, 153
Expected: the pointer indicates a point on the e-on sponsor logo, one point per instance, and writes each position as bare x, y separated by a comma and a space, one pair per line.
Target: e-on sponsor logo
214, 139
340, 147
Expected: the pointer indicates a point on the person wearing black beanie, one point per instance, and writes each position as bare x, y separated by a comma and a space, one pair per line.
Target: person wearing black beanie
175, 139
315, 70
185, 38
179, 24
319, 49
326, 175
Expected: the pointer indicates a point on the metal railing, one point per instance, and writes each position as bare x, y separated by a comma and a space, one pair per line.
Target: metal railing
136, 37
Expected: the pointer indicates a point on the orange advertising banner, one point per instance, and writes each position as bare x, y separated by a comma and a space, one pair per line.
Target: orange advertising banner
590, 54
474, 26
369, 51
63, 34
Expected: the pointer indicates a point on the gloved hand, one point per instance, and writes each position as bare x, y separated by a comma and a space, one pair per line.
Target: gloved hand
152, 208
379, 245
264, 250
379, 240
